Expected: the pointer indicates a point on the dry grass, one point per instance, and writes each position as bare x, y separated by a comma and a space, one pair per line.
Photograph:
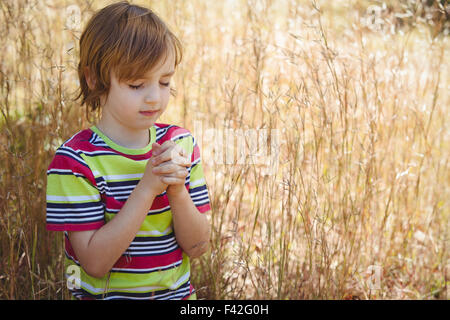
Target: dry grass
355, 203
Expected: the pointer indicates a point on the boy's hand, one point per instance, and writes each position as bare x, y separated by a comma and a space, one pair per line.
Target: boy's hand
169, 162
151, 181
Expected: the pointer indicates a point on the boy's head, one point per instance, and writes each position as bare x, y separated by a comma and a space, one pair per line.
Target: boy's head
125, 40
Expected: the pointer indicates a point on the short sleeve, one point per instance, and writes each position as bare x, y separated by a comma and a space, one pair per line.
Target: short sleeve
73, 201
195, 180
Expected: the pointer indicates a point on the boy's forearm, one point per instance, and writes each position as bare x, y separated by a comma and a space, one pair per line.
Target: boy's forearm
191, 227
109, 242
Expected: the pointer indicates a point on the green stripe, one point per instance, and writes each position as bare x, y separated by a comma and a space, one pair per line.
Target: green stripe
123, 149
115, 165
197, 173
163, 279
186, 143
154, 222
121, 281
64, 185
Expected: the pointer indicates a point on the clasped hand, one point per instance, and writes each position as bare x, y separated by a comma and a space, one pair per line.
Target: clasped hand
170, 162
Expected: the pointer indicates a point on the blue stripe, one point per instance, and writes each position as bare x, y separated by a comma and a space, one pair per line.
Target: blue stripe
180, 292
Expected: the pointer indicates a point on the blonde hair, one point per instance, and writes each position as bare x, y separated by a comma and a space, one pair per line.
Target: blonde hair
125, 39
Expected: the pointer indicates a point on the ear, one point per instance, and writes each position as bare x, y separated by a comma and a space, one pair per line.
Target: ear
90, 79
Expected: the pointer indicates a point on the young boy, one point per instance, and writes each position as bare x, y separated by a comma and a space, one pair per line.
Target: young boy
130, 224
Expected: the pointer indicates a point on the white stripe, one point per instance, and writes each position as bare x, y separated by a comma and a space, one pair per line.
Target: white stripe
152, 242
154, 297
155, 232
180, 281
103, 152
55, 210
65, 152
73, 198
59, 170
173, 295
130, 188
148, 270
138, 249
140, 253
198, 193
199, 203
116, 194
180, 135
123, 176
74, 220
56, 215
197, 182
161, 209
101, 290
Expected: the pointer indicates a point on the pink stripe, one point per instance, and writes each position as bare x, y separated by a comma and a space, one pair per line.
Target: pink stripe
204, 208
80, 139
161, 125
195, 153
172, 132
75, 227
112, 203
69, 248
141, 262
65, 162
191, 289
146, 262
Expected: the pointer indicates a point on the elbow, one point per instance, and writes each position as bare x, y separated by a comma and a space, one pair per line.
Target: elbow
198, 250
202, 246
95, 270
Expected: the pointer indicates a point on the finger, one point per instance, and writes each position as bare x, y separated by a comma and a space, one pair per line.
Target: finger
156, 149
161, 158
165, 168
179, 161
170, 153
172, 180
167, 145
184, 153
160, 148
171, 170
181, 175
182, 161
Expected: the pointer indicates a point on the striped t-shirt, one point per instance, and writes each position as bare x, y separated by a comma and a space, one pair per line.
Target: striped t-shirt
88, 182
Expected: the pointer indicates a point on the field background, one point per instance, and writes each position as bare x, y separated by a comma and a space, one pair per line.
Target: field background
353, 202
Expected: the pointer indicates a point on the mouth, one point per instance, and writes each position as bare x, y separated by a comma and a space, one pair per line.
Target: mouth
148, 113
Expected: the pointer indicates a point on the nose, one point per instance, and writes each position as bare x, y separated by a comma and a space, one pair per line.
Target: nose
152, 95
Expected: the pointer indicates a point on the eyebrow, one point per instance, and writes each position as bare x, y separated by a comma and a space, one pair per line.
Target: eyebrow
169, 73
163, 75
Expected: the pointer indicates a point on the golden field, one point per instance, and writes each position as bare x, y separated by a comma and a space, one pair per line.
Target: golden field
339, 117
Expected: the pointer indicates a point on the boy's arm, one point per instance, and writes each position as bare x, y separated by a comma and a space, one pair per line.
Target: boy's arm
192, 228
98, 250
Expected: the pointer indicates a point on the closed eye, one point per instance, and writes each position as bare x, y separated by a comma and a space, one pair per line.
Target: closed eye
140, 85
135, 87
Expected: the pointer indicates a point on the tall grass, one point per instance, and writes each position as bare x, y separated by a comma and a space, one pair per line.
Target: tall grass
353, 203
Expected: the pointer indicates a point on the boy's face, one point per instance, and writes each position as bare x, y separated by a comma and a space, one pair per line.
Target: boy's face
137, 104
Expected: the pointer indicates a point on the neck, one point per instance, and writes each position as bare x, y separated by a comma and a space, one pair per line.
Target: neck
124, 136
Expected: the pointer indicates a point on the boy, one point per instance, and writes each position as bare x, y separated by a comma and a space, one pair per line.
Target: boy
131, 225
